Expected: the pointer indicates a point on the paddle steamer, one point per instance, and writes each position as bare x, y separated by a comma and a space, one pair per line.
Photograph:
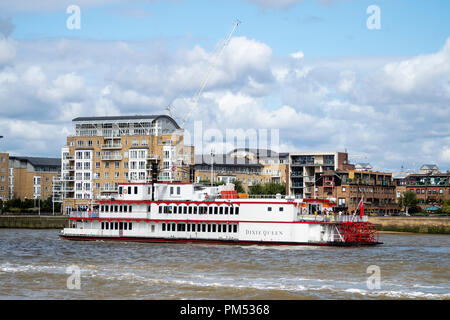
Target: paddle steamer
185, 212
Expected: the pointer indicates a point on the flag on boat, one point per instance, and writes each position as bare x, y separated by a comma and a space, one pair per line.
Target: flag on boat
361, 207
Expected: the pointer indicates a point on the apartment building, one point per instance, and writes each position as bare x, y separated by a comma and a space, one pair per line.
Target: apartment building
32, 177
348, 187
4, 176
275, 165
305, 166
105, 151
228, 169
430, 188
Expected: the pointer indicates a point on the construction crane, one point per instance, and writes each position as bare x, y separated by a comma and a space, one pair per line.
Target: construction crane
219, 49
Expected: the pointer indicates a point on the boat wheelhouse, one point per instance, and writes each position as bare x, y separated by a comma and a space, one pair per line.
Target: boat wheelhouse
185, 212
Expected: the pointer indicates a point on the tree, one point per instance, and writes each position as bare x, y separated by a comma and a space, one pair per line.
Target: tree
238, 186
407, 200
446, 207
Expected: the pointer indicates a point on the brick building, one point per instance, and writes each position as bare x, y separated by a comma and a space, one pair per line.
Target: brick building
106, 151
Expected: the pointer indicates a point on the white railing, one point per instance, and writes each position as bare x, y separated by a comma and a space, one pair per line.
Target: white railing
112, 146
112, 157
84, 214
333, 218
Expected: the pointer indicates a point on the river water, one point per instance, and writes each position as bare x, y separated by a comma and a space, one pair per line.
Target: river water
37, 264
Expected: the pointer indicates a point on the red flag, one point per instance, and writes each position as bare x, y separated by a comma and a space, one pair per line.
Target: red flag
361, 207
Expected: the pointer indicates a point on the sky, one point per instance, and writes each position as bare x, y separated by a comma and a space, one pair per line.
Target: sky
325, 75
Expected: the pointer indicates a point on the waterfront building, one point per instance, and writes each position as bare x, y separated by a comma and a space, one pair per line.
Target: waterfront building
304, 166
275, 165
431, 188
4, 176
228, 169
106, 151
348, 187
32, 177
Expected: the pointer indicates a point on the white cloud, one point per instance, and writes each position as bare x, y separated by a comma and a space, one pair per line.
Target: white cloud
7, 50
298, 55
320, 105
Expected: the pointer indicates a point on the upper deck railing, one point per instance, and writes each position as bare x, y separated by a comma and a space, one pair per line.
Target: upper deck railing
333, 218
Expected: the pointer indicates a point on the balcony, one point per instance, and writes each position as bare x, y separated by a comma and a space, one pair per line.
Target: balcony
109, 189
111, 146
68, 178
112, 158
152, 157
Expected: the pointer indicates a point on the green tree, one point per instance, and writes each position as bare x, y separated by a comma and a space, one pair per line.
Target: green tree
446, 207
408, 200
274, 188
238, 186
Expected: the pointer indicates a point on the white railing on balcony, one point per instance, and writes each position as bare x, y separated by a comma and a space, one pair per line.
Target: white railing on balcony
109, 189
112, 157
112, 146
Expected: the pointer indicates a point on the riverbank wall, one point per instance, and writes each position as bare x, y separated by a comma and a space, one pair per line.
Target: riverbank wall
33, 221
430, 225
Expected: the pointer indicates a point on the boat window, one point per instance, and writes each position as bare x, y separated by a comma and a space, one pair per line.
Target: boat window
214, 227
131, 226
160, 209
116, 225
226, 210
174, 209
185, 210
281, 208
224, 228
149, 208
125, 209
189, 227
131, 209
178, 190
229, 228
203, 227
215, 210
190, 209
269, 208
220, 210
120, 190
153, 227
163, 227
210, 210
129, 190
125, 226
135, 190
107, 225
173, 226
195, 210
231, 210
235, 228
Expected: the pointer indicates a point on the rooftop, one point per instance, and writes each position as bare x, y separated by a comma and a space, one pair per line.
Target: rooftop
39, 161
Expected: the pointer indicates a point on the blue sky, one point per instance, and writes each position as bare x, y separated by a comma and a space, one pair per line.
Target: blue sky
337, 29
309, 68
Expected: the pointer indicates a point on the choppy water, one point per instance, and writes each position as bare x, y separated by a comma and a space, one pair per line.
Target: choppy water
33, 265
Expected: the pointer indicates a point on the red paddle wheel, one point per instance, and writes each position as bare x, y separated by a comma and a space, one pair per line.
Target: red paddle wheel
358, 232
